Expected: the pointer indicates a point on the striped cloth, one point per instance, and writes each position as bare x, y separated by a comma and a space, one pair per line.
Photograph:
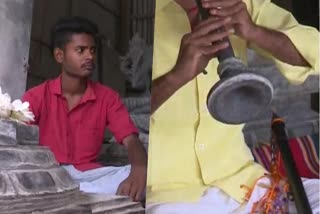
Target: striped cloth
305, 152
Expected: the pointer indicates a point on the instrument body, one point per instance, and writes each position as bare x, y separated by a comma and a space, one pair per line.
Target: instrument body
241, 94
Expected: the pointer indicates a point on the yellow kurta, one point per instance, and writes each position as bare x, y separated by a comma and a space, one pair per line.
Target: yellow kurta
189, 151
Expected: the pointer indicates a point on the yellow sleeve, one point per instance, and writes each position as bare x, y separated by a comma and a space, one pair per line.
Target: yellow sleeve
306, 39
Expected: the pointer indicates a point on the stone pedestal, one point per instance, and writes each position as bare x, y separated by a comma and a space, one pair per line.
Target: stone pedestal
31, 180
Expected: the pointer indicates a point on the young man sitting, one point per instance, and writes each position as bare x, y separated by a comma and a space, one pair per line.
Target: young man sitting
72, 113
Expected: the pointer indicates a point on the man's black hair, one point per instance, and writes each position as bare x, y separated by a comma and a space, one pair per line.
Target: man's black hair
65, 27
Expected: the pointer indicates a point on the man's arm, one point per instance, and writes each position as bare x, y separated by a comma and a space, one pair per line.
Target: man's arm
136, 153
163, 88
277, 44
195, 51
126, 133
134, 186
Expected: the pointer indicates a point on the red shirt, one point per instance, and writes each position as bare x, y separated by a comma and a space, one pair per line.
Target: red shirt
75, 137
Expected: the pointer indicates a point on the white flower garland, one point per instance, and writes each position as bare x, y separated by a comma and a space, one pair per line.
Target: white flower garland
17, 110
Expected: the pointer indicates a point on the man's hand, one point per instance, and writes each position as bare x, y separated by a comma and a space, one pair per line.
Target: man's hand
241, 21
273, 41
134, 186
198, 47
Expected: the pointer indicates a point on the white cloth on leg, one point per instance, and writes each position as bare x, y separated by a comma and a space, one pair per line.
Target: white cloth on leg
101, 180
215, 200
311, 187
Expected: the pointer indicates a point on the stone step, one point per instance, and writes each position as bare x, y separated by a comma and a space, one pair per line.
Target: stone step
110, 204
26, 157
34, 182
29, 204
124, 211
67, 210
13, 133
115, 209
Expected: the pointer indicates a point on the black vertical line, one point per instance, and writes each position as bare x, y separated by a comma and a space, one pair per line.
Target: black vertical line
295, 183
100, 59
124, 32
69, 7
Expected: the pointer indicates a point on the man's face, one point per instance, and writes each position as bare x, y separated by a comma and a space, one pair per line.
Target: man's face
78, 56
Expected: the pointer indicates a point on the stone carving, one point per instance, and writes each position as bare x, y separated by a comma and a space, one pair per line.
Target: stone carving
137, 66
31, 180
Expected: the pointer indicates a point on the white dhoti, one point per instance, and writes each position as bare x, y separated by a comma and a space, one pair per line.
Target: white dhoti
101, 180
216, 201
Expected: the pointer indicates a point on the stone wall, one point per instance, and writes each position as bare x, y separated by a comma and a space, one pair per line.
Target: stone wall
15, 27
292, 102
